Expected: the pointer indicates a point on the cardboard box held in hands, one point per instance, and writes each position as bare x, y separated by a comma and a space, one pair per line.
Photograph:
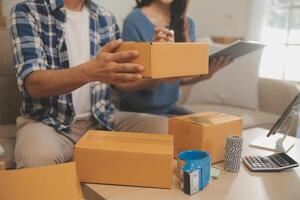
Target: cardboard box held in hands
133, 159
205, 131
169, 60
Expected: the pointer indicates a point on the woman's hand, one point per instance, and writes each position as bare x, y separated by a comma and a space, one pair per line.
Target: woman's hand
164, 35
218, 64
214, 66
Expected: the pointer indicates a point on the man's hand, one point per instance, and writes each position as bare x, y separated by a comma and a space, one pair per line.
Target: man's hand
114, 68
164, 35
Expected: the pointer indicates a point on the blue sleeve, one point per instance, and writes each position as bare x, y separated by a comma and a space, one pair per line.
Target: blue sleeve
192, 30
27, 44
130, 31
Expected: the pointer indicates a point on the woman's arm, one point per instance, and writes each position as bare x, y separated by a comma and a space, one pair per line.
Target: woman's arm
107, 67
215, 66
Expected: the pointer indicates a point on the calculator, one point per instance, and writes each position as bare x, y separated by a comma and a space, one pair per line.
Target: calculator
272, 163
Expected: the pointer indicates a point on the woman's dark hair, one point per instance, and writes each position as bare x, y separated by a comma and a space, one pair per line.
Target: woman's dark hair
88, 3
178, 22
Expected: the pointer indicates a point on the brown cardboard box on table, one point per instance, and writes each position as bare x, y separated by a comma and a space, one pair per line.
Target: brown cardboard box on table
167, 60
59, 182
205, 131
133, 159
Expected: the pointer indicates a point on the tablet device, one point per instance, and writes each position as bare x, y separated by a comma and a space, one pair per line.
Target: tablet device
237, 49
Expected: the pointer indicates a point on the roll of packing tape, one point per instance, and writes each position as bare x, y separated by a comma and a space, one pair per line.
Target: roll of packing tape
233, 154
195, 170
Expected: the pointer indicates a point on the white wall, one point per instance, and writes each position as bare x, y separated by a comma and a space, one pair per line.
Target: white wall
213, 17
257, 16
221, 17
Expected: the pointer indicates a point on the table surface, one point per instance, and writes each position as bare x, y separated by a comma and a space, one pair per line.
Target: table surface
242, 185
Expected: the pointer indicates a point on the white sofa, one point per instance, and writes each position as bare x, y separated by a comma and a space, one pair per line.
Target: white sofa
237, 89
273, 96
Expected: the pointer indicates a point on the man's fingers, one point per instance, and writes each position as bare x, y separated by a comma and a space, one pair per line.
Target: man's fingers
125, 56
127, 77
128, 68
112, 46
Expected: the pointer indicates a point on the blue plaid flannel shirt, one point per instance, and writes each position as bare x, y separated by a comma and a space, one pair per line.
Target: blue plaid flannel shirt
38, 42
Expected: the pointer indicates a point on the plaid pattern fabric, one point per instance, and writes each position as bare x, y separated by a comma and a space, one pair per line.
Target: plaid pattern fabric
38, 42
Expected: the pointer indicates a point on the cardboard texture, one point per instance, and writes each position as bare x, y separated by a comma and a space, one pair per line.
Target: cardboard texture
167, 60
58, 182
204, 131
133, 159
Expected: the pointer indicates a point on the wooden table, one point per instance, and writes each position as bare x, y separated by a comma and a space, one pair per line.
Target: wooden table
242, 185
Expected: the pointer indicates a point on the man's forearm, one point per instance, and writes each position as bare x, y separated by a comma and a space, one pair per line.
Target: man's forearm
41, 84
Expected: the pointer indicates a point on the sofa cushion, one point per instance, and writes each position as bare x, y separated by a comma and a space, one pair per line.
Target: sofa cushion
9, 95
236, 84
6, 61
252, 118
7, 141
9, 99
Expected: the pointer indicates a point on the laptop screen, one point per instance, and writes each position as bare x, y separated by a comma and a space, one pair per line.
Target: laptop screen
288, 118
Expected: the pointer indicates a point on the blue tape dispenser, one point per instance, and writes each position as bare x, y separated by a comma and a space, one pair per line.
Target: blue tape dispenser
195, 170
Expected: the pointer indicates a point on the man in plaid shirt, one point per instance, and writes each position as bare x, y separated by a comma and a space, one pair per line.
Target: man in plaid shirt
64, 57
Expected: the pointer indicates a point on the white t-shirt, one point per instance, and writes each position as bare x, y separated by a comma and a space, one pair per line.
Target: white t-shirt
78, 45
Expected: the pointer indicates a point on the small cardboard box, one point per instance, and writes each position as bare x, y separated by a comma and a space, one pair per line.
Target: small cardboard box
133, 159
167, 60
58, 182
204, 131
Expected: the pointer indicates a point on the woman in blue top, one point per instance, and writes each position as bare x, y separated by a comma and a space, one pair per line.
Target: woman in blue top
147, 22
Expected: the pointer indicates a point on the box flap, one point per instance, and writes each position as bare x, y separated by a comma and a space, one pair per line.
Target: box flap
208, 118
58, 182
127, 142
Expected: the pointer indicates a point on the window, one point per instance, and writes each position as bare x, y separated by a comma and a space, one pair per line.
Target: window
281, 59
